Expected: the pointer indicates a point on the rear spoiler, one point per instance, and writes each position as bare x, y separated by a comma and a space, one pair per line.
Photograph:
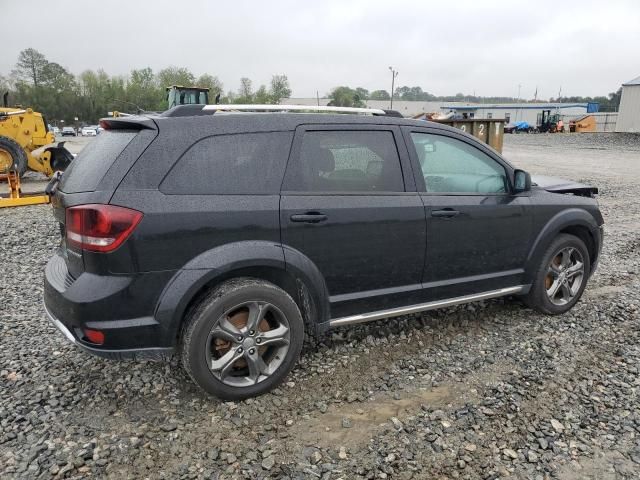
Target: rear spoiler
128, 123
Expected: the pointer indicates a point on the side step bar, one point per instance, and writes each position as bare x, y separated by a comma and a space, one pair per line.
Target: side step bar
423, 307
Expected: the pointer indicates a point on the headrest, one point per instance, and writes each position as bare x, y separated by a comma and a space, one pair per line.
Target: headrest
324, 161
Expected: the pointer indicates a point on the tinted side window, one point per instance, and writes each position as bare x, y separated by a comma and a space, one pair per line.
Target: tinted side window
347, 161
88, 168
249, 163
453, 166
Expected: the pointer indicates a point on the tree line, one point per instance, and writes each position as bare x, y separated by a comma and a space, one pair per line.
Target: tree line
49, 88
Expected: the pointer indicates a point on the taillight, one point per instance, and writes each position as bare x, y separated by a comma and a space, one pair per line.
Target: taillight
100, 228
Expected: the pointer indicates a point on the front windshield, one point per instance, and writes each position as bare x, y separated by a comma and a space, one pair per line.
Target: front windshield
193, 97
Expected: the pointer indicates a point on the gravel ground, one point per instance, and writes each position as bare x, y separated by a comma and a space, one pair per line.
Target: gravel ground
489, 390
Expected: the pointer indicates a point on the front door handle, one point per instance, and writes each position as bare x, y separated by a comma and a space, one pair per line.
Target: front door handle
310, 217
447, 213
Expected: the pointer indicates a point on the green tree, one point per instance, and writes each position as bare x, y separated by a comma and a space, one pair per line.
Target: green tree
379, 95
144, 91
413, 94
212, 83
363, 93
345, 97
614, 100
57, 78
175, 76
262, 96
279, 88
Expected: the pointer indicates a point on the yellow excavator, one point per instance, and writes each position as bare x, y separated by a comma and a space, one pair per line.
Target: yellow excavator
176, 95
23, 134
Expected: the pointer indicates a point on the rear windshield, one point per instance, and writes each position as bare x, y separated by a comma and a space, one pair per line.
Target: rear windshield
91, 164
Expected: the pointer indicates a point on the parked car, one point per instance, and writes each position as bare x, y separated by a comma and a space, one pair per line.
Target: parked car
89, 131
68, 132
518, 127
226, 238
55, 130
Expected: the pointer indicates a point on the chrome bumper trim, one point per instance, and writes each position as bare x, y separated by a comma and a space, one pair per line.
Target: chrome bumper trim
60, 326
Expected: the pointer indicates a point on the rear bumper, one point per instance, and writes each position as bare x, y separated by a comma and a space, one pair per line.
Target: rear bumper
121, 307
135, 353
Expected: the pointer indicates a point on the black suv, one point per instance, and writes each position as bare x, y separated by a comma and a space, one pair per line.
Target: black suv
225, 237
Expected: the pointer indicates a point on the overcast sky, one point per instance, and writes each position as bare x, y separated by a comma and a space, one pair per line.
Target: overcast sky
482, 46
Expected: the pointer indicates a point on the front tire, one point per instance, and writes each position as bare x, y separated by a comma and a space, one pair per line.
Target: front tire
561, 277
242, 339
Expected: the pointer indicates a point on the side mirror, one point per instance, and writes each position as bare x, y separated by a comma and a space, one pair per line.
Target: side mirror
521, 181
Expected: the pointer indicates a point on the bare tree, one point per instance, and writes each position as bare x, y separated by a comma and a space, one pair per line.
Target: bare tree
246, 91
31, 65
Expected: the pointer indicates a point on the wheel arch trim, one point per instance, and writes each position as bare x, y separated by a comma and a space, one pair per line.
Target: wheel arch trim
236, 260
573, 217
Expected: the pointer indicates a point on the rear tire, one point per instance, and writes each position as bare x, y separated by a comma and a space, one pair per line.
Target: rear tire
18, 156
242, 339
561, 277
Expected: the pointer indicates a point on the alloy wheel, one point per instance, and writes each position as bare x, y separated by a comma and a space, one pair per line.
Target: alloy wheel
565, 275
248, 343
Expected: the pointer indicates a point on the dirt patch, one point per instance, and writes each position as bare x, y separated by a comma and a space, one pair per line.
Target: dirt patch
365, 419
602, 466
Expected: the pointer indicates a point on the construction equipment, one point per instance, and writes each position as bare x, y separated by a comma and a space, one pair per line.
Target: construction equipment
22, 132
179, 95
176, 95
16, 198
549, 123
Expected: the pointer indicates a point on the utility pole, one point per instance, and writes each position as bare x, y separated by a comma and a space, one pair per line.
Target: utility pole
394, 74
518, 108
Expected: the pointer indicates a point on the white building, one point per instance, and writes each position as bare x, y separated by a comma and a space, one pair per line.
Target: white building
509, 112
520, 112
629, 111
406, 108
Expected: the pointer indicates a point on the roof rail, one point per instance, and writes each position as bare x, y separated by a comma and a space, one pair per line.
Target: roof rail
292, 108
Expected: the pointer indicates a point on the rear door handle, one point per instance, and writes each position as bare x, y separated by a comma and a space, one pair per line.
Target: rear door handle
309, 218
447, 212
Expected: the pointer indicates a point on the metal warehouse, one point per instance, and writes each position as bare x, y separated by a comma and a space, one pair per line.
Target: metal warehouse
629, 112
520, 112
510, 112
